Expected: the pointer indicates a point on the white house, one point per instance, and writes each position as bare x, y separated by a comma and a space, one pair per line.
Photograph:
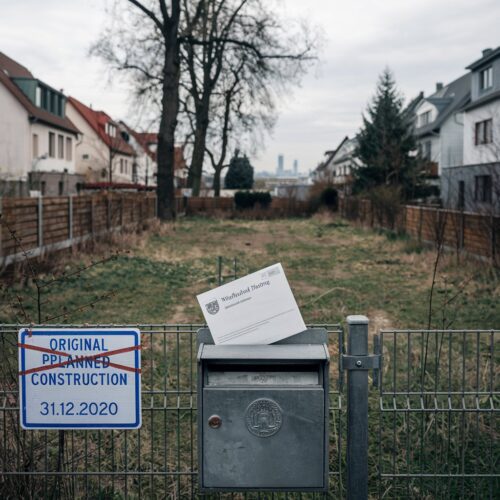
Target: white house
37, 140
439, 124
144, 144
474, 185
339, 164
102, 156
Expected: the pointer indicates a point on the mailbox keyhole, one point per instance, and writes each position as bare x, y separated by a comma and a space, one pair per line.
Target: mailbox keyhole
215, 421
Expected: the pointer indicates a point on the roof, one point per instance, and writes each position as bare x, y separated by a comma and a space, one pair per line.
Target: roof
483, 100
10, 69
145, 139
97, 121
412, 105
486, 58
447, 100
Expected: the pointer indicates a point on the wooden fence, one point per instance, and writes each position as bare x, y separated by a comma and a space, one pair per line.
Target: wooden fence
472, 233
40, 225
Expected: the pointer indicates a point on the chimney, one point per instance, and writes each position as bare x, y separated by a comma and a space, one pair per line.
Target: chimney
486, 52
439, 86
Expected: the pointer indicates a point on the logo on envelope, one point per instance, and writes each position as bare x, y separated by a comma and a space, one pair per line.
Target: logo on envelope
212, 307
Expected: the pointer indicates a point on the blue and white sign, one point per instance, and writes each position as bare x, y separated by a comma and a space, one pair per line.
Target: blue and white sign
80, 378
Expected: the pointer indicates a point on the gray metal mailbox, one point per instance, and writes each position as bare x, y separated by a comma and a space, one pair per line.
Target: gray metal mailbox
263, 414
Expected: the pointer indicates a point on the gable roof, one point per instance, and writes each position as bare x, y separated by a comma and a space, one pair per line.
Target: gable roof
145, 139
447, 100
10, 69
488, 55
97, 121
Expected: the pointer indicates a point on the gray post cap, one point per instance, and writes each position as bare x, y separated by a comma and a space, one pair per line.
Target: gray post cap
357, 319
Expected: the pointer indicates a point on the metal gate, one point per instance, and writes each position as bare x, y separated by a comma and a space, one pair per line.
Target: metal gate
429, 431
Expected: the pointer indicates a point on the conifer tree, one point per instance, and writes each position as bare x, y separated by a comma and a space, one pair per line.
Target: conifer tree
240, 173
385, 143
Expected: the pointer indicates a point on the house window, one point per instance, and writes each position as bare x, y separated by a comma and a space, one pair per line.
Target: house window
60, 146
110, 129
69, 149
38, 96
425, 118
126, 166
484, 132
461, 195
427, 150
61, 188
482, 188
35, 145
121, 165
486, 78
52, 144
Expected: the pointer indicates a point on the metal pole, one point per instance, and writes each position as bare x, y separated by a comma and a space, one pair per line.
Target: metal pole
357, 411
219, 270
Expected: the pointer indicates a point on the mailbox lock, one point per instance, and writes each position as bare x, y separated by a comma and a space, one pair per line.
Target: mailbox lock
215, 421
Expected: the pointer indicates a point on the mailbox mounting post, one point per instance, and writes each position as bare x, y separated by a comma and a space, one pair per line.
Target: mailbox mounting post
357, 362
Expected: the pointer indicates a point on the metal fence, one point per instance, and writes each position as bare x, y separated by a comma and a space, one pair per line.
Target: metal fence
432, 424
159, 460
437, 418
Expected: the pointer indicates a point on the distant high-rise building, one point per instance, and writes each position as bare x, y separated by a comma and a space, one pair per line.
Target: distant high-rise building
281, 164
295, 167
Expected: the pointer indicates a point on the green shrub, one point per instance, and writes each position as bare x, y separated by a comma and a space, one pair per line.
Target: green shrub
247, 199
330, 198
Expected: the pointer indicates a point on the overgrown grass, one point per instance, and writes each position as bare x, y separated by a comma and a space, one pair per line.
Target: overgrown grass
333, 269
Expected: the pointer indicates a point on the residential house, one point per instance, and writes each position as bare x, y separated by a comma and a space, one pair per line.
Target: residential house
37, 139
474, 184
145, 145
103, 155
339, 164
439, 125
145, 168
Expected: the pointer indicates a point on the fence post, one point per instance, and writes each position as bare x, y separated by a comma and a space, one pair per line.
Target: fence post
91, 199
1, 214
357, 411
40, 221
108, 213
70, 217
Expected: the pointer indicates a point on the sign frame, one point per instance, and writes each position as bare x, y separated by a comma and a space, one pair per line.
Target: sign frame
103, 332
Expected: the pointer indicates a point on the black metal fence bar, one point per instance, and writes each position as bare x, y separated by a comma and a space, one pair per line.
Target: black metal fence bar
156, 461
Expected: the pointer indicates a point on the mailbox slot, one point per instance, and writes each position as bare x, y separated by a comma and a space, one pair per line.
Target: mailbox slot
262, 375
263, 417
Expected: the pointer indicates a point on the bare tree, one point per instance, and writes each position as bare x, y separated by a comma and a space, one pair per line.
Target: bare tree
212, 36
231, 37
150, 53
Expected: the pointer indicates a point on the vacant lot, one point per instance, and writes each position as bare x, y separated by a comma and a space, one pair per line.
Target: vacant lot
333, 269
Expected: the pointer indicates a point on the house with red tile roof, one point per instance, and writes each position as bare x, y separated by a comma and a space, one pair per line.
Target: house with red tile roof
37, 139
103, 155
145, 145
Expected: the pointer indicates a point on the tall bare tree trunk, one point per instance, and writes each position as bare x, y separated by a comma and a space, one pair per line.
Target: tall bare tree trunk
168, 122
200, 139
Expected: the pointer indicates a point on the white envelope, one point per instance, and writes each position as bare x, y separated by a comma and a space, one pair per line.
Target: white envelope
256, 309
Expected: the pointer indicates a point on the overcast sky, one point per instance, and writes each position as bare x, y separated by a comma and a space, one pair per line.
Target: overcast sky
422, 41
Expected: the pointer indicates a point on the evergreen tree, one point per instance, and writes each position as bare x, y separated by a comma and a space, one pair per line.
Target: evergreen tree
385, 143
240, 173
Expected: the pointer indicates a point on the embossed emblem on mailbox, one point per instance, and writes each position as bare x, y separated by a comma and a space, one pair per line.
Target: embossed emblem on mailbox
212, 307
263, 417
